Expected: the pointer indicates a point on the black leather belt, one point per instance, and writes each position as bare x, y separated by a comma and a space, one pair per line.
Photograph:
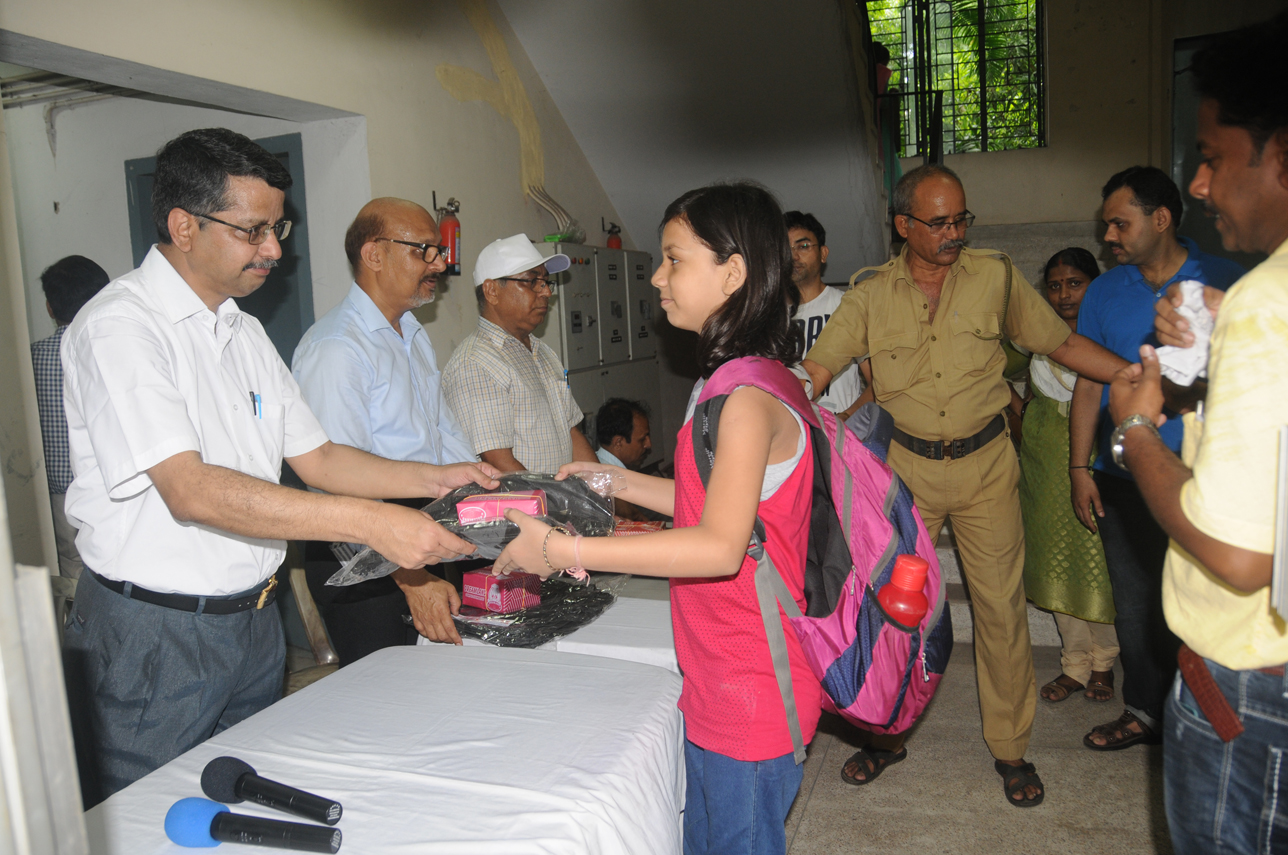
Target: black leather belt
256, 598
950, 449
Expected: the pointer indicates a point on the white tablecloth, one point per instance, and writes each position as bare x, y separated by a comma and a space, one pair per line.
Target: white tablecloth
450, 749
636, 630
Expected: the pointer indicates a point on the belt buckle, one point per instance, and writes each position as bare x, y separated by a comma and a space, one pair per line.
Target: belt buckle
959, 449
935, 450
268, 589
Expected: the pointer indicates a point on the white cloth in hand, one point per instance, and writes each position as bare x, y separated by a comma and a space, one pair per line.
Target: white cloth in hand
1183, 365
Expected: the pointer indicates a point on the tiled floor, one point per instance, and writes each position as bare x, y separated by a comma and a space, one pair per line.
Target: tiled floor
947, 798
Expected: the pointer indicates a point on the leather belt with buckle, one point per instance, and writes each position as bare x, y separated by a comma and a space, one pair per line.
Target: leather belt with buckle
950, 449
257, 598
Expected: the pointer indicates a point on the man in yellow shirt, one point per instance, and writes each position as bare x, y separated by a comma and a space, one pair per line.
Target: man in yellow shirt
933, 320
1227, 715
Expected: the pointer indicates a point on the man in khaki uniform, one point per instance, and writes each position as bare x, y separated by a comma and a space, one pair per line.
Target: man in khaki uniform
933, 321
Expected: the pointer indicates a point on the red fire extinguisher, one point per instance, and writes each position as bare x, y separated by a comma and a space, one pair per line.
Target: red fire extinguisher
614, 234
449, 227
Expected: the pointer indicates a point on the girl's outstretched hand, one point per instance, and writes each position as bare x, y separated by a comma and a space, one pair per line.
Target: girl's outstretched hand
524, 552
581, 467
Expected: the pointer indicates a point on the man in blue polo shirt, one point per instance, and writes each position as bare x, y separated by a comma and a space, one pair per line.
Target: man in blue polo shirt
1142, 207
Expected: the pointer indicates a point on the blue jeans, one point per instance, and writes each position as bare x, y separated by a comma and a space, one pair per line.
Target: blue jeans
737, 807
146, 683
1224, 798
1135, 548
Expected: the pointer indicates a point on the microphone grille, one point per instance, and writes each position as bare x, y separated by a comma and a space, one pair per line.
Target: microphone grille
219, 779
188, 822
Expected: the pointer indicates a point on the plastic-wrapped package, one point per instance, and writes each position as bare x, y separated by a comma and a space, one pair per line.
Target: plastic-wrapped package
566, 606
571, 503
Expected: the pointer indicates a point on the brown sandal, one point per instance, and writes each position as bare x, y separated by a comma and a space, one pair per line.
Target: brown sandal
1060, 688
1100, 686
1118, 734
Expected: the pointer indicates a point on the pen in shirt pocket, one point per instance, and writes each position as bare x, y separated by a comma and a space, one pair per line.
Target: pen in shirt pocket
257, 405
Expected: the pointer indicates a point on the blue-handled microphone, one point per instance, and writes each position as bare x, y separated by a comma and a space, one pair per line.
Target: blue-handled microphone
203, 823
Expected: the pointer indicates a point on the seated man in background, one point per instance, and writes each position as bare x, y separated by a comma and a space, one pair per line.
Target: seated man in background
622, 430
509, 389
68, 285
367, 370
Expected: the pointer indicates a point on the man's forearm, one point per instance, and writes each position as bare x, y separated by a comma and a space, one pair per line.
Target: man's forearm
1089, 359
1084, 416
1160, 475
347, 471
581, 449
819, 377
241, 504
503, 459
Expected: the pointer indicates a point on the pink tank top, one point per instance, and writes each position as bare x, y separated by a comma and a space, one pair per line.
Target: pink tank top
730, 699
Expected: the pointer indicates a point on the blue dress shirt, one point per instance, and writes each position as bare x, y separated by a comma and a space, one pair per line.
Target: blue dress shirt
49, 403
1117, 313
376, 390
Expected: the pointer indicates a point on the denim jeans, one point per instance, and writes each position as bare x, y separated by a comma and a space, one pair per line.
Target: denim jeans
737, 807
1135, 547
146, 683
1228, 797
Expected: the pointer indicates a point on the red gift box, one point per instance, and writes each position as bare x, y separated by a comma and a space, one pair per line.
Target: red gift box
500, 593
490, 507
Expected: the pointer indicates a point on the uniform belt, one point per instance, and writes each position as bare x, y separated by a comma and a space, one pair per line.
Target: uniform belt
950, 449
256, 598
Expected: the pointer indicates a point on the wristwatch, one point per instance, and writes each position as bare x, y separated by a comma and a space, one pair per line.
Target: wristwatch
1116, 441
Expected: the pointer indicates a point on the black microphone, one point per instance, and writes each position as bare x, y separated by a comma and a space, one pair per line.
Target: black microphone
203, 823
229, 780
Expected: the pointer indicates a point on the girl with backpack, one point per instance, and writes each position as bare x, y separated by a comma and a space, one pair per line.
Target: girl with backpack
725, 275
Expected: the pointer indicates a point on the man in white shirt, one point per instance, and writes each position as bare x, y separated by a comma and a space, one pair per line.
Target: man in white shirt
179, 414
368, 371
809, 253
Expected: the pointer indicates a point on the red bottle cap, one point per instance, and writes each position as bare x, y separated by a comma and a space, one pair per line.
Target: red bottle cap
909, 572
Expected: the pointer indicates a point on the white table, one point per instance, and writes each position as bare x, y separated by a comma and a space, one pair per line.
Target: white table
450, 749
636, 630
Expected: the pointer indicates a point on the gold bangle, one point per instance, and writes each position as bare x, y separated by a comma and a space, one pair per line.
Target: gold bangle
546, 542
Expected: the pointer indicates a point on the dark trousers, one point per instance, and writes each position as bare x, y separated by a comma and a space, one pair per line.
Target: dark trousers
360, 618
145, 683
1135, 547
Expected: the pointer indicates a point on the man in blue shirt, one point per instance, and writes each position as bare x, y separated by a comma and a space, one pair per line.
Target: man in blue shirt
68, 285
368, 371
1142, 207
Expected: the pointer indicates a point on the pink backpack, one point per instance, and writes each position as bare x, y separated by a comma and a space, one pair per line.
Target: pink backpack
874, 672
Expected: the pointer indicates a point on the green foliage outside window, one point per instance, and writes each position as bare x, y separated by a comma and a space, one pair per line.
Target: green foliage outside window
991, 100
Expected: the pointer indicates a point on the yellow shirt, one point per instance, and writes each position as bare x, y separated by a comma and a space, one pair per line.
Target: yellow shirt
1233, 451
940, 380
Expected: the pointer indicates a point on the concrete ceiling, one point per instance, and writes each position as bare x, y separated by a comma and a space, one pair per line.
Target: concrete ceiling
665, 95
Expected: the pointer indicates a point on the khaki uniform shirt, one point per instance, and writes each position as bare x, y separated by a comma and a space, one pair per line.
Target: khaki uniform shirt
940, 380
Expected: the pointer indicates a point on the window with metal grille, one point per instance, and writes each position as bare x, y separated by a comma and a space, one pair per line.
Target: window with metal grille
982, 59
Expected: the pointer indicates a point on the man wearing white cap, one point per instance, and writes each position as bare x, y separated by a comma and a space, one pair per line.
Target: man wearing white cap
509, 390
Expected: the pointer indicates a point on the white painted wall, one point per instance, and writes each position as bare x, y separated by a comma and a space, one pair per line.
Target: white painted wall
85, 176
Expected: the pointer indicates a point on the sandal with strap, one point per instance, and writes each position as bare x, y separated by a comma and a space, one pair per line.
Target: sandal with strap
1015, 779
871, 762
1060, 688
1119, 735
1100, 686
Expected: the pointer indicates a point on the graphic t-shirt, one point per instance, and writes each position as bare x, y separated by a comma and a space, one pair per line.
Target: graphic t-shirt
811, 317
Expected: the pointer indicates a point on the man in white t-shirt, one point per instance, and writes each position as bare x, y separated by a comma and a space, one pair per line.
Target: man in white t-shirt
809, 253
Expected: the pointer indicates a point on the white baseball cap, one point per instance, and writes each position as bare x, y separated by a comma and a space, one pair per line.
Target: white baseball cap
508, 256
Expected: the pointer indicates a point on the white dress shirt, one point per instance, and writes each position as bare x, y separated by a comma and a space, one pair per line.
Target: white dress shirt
376, 390
150, 372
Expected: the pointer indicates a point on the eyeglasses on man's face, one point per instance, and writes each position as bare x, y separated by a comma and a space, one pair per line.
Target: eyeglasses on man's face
939, 226
428, 251
534, 284
803, 246
255, 235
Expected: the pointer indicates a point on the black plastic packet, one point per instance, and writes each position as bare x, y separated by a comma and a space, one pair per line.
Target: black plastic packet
566, 606
571, 503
